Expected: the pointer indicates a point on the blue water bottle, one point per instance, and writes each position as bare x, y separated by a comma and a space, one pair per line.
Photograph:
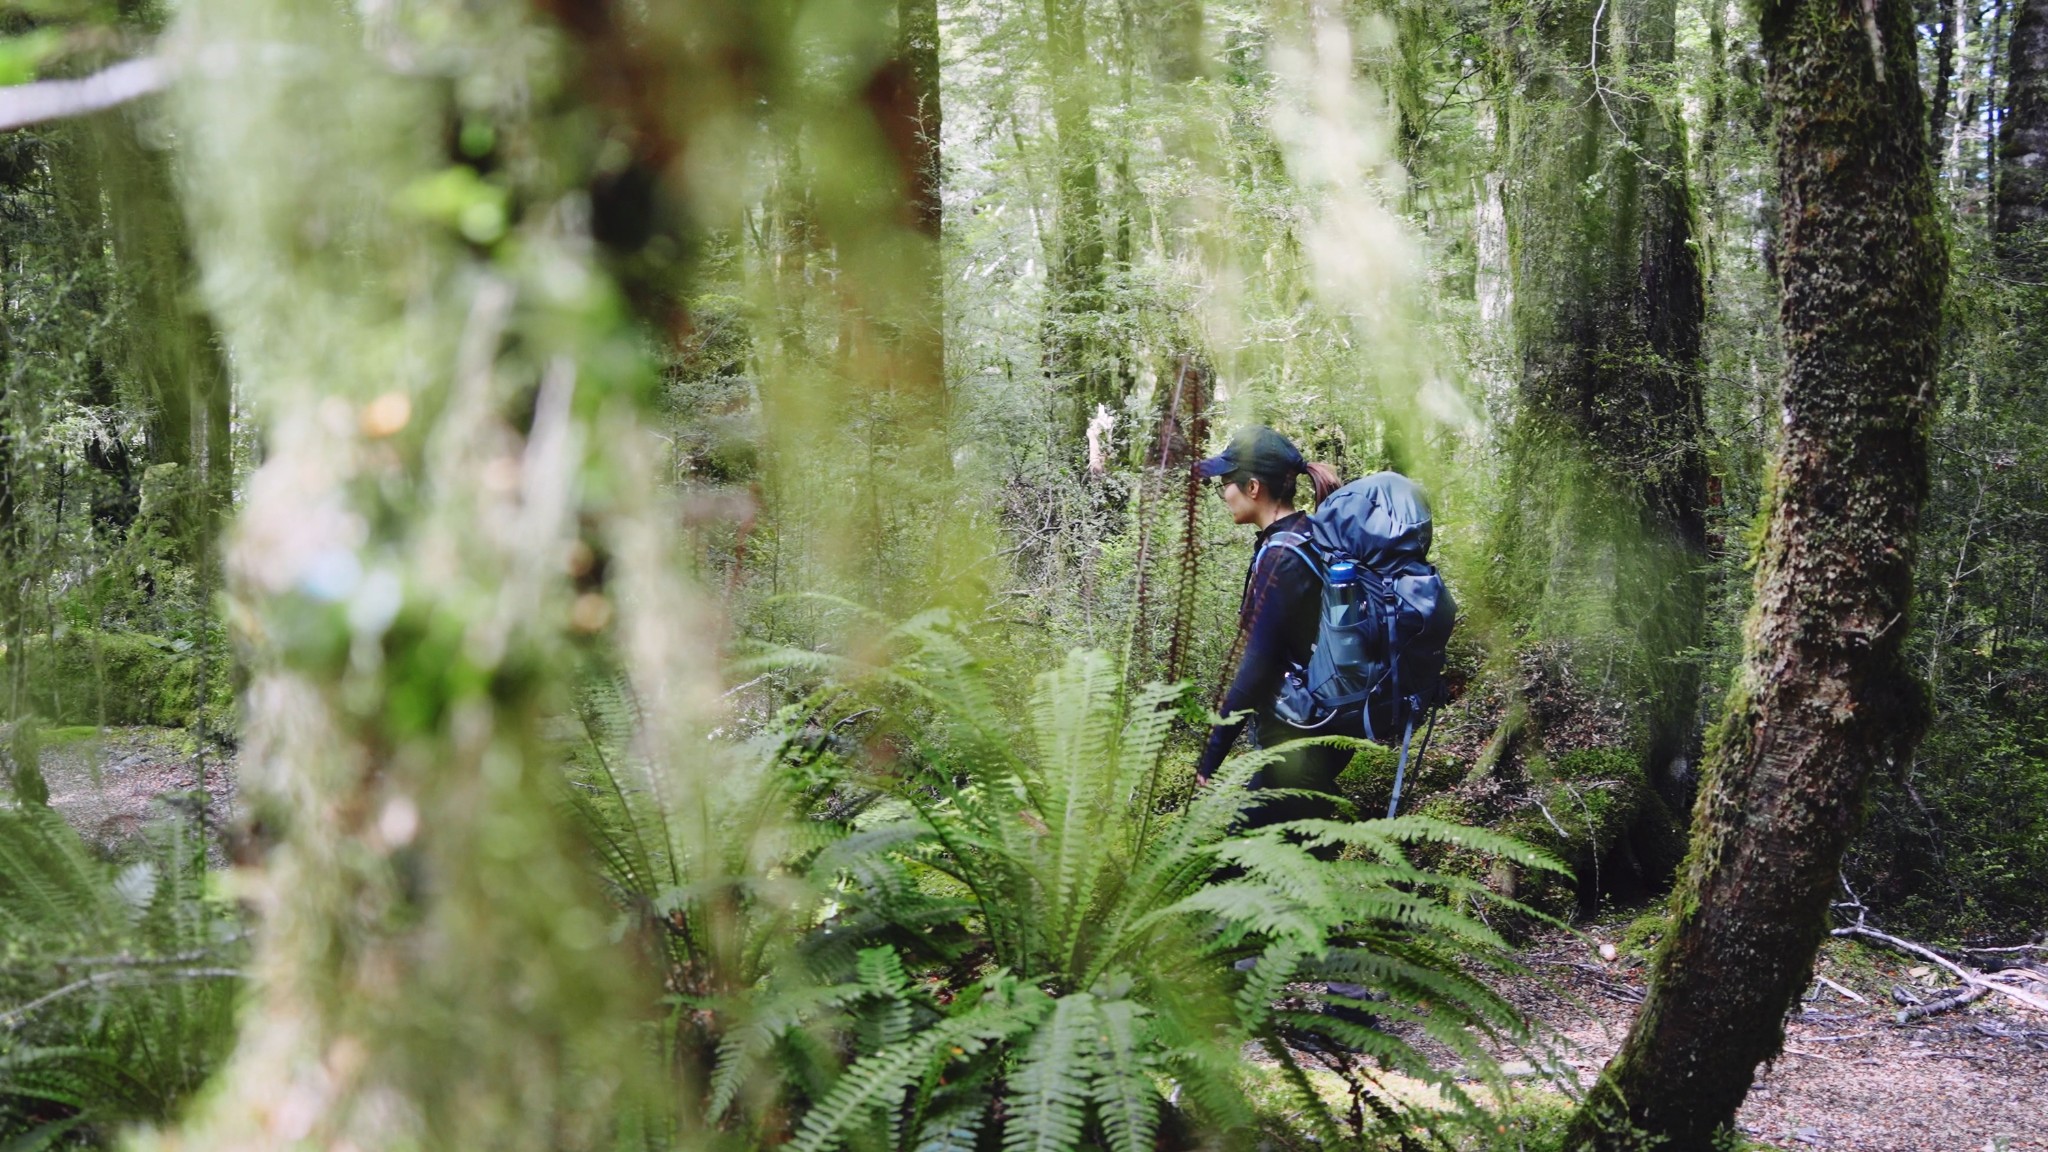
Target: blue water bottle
1343, 614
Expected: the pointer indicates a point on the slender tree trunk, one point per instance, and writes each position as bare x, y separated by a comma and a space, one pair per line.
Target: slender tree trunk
1825, 696
1994, 109
2022, 202
1944, 79
1603, 535
1077, 249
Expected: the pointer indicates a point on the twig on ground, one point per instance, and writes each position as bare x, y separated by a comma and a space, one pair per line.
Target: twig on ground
1851, 993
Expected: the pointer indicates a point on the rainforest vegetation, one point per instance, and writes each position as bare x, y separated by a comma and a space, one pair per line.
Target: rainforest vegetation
604, 574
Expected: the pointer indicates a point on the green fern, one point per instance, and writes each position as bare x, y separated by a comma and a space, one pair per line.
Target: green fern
1048, 826
117, 981
1001, 937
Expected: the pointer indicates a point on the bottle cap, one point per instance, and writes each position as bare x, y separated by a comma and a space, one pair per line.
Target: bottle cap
1343, 572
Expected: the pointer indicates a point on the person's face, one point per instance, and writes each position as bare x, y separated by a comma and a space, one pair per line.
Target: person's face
1240, 495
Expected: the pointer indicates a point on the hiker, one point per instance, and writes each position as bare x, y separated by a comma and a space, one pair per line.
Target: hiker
1277, 618
1343, 624
1341, 631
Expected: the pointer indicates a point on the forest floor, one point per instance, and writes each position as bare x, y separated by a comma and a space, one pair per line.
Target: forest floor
113, 783
1850, 1078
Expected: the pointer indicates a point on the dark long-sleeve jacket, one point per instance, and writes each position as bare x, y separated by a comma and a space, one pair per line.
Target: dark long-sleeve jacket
1278, 620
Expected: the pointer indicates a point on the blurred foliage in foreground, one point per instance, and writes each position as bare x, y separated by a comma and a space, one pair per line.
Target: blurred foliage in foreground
575, 344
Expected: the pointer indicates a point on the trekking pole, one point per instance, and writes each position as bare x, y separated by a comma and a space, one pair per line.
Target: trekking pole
1401, 768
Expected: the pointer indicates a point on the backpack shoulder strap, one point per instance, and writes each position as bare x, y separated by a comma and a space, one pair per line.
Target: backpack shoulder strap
1295, 542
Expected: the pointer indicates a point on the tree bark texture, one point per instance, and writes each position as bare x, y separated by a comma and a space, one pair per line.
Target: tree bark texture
2022, 201
904, 97
1825, 696
1078, 250
1604, 532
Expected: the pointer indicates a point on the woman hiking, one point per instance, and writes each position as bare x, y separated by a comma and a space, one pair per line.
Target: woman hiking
1277, 619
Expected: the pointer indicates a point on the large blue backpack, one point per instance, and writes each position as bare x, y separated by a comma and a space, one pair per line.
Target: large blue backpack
1377, 669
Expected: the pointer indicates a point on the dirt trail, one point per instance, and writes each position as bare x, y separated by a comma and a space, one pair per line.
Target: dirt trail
112, 784
1850, 1078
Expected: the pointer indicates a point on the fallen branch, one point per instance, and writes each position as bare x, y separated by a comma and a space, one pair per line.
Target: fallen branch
1849, 992
45, 100
1968, 993
2041, 948
1968, 976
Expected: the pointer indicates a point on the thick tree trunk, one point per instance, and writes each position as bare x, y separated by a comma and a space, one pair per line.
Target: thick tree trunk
1825, 697
446, 428
2022, 203
1601, 541
904, 98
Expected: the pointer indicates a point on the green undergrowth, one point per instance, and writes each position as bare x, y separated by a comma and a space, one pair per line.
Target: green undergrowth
118, 981
83, 679
1533, 1119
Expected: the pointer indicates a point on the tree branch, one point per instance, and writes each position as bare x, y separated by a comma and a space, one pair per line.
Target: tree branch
45, 100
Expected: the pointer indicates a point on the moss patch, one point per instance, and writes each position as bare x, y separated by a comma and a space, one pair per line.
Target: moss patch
84, 679
1640, 939
1369, 781
72, 734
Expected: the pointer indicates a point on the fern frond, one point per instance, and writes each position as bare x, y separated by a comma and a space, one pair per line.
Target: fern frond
881, 1078
1125, 1096
1049, 1094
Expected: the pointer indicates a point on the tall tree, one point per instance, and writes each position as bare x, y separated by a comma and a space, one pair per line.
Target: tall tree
1602, 535
1076, 248
904, 95
1825, 696
2022, 197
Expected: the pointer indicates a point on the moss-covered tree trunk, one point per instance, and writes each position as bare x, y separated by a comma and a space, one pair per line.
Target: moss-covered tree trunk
1600, 542
451, 403
1825, 696
2022, 200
